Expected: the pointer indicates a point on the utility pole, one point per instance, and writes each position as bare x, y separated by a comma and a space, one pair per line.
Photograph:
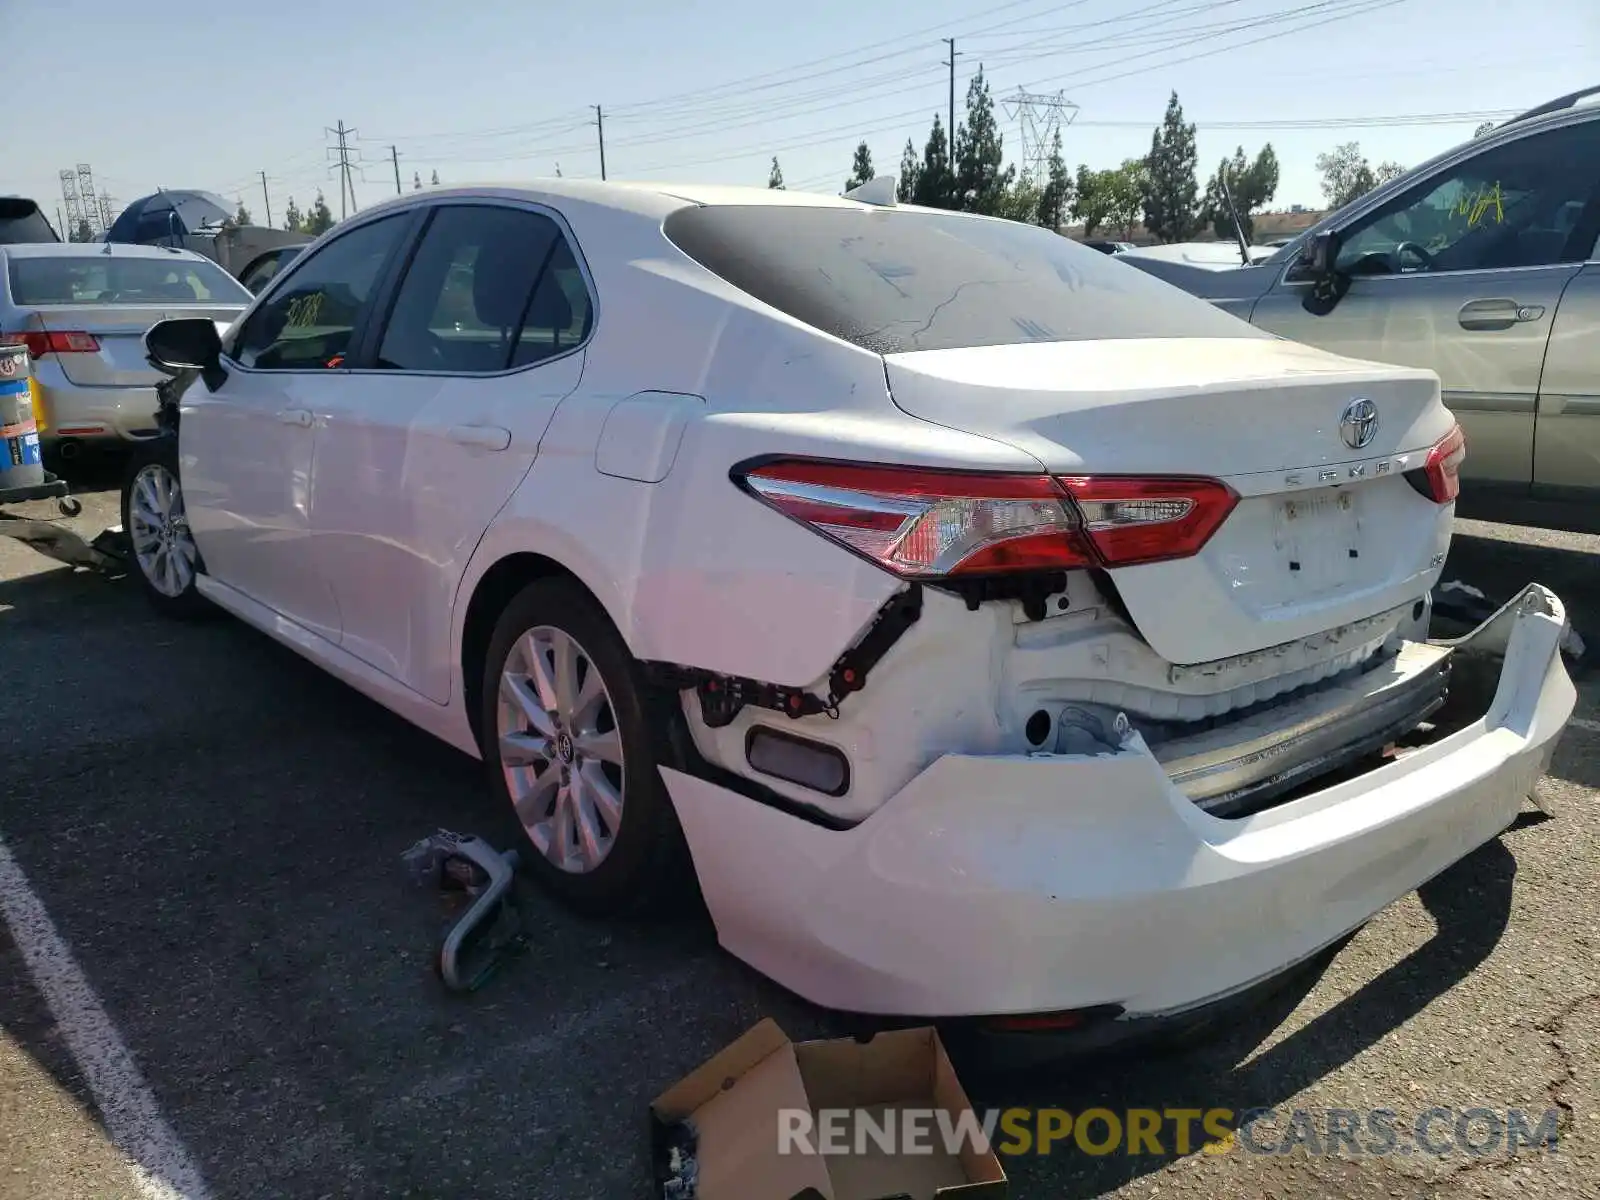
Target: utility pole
951, 42
266, 200
346, 182
394, 157
600, 124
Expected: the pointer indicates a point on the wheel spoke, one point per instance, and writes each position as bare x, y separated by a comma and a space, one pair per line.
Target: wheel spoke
561, 828
532, 800
588, 825
517, 691
523, 750
607, 801
533, 654
565, 653
607, 746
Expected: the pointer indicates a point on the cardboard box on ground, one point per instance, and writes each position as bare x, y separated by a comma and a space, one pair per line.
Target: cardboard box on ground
734, 1100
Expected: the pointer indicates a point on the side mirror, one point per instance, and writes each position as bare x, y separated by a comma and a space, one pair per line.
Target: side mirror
1321, 255
183, 344
1321, 261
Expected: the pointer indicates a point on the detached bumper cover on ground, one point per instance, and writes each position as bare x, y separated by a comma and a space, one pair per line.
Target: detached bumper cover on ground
1037, 883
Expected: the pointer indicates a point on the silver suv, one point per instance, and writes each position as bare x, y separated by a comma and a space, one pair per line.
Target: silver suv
1482, 265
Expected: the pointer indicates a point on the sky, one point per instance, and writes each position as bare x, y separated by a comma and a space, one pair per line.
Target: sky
210, 96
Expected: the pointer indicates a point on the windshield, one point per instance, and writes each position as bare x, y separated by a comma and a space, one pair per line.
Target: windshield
895, 281
100, 279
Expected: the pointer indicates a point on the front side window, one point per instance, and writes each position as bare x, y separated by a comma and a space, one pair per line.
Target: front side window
484, 293
111, 279
893, 281
309, 321
1527, 203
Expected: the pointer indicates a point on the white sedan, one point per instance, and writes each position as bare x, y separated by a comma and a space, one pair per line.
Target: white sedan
992, 628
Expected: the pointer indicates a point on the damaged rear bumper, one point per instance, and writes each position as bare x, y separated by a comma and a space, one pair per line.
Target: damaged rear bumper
1017, 884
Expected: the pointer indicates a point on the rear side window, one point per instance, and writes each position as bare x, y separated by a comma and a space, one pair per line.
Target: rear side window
107, 279
21, 222
894, 281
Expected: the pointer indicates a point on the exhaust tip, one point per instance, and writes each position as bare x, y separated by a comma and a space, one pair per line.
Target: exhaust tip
69, 450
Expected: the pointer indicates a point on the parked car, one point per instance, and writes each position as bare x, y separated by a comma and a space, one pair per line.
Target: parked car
1106, 247
1059, 643
263, 267
203, 222
82, 310
1480, 264
21, 220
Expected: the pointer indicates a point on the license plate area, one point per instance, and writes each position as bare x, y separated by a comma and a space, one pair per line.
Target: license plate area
1318, 538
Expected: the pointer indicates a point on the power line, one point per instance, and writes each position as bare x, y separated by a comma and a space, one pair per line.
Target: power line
600, 124
266, 200
344, 166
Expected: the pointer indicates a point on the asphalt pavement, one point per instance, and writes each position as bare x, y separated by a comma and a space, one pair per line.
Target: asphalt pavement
201, 840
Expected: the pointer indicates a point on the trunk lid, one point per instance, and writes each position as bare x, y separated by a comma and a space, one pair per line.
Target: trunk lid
1323, 534
119, 329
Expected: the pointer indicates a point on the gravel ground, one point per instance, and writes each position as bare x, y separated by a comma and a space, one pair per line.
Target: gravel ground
215, 830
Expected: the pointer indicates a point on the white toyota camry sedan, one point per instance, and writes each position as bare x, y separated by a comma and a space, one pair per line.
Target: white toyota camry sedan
992, 629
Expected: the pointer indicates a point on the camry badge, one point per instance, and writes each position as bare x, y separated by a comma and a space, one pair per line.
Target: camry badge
1358, 424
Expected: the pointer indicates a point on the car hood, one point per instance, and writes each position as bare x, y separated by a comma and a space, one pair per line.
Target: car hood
1207, 282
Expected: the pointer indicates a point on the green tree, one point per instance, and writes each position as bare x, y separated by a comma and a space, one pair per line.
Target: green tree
435, 179
933, 180
416, 180
1055, 197
860, 168
775, 177
1486, 127
1091, 199
1347, 175
981, 178
1126, 189
910, 173
293, 220
1171, 209
1252, 185
320, 219
242, 217
84, 232
1020, 201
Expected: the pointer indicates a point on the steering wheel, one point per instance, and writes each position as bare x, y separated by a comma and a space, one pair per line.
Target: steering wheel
1400, 252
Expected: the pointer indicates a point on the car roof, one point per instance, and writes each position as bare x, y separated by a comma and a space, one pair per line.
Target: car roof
96, 250
641, 198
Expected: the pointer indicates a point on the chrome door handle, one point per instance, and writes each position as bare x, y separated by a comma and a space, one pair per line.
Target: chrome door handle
296, 416
1497, 313
489, 437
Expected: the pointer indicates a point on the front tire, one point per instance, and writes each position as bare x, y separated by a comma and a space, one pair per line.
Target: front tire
162, 550
567, 744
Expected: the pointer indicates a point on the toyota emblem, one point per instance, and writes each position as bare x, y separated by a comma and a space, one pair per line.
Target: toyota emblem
1358, 425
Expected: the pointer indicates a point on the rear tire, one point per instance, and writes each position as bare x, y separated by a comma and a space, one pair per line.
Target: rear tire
567, 743
161, 547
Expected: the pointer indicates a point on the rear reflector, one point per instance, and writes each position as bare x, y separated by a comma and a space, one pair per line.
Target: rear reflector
59, 342
786, 756
921, 523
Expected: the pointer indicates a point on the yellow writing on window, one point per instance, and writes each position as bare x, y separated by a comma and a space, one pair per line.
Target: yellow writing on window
1475, 206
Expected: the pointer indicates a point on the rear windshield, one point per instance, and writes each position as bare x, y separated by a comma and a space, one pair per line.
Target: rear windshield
107, 279
893, 281
21, 221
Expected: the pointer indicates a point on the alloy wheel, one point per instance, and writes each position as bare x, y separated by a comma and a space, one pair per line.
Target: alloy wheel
158, 529
560, 749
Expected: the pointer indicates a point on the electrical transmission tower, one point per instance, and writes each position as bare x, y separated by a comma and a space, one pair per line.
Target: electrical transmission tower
1039, 117
349, 160
73, 206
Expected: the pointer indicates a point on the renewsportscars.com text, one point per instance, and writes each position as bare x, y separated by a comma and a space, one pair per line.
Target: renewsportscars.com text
1376, 1132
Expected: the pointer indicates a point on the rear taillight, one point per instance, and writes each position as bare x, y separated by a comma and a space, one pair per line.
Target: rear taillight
59, 342
923, 524
1439, 477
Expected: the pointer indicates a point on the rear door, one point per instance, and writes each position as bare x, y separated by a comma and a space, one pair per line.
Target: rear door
1566, 446
1462, 273
427, 439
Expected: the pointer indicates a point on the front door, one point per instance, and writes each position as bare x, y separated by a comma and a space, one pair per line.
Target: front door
247, 449
439, 423
1462, 274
